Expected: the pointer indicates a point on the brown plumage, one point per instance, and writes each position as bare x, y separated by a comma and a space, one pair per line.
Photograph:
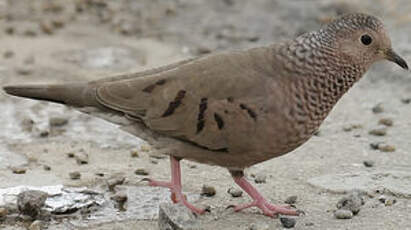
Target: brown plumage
235, 109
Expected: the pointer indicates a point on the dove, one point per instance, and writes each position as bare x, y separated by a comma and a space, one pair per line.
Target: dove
234, 109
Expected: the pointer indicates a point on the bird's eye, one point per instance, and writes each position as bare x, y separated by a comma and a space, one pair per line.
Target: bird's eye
366, 39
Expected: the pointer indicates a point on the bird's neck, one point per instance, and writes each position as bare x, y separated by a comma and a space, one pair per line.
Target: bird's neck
320, 79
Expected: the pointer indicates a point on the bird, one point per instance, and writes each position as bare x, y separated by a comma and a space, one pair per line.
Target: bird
236, 108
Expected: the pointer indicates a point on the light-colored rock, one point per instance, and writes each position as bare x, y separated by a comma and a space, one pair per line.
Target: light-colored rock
30, 202
176, 217
36, 225
343, 214
396, 182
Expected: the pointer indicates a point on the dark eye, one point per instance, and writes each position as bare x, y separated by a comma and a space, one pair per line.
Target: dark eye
366, 39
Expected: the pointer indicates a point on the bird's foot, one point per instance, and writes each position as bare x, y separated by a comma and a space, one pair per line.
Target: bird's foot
268, 208
176, 194
258, 200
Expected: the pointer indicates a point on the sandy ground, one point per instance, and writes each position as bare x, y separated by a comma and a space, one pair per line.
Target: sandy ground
61, 41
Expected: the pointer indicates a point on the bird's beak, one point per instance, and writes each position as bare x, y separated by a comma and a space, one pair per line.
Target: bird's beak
394, 57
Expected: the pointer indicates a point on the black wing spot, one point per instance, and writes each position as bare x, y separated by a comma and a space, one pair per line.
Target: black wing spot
223, 150
250, 112
151, 87
219, 120
174, 104
160, 82
201, 110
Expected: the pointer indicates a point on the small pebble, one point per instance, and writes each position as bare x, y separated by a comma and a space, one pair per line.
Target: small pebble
208, 190
46, 167
259, 226
260, 179
152, 161
46, 27
141, 172
406, 100
235, 192
203, 50
9, 30
29, 60
18, 170
390, 201
309, 224
71, 155
378, 132
288, 222
58, 121
378, 108
36, 225
75, 175
368, 163
120, 198
386, 148
348, 128
81, 158
386, 121
44, 133
58, 23
8, 54
145, 148
24, 70
343, 214
100, 174
352, 201
134, 153
291, 200
3, 212
375, 145
30, 202
112, 183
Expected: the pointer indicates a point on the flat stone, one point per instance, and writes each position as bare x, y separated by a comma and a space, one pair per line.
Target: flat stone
30, 202
176, 217
395, 182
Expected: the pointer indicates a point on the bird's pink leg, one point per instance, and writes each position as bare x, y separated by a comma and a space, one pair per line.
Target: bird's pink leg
258, 200
175, 186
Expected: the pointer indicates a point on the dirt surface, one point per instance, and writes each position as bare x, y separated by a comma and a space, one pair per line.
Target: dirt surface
75, 40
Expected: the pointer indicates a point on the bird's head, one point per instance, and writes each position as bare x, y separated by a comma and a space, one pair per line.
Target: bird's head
363, 39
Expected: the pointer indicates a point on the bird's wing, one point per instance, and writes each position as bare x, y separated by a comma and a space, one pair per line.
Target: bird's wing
207, 102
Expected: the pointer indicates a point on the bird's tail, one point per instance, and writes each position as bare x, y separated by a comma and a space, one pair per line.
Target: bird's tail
74, 94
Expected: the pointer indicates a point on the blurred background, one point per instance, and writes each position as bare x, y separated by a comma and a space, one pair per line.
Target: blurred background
79, 40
